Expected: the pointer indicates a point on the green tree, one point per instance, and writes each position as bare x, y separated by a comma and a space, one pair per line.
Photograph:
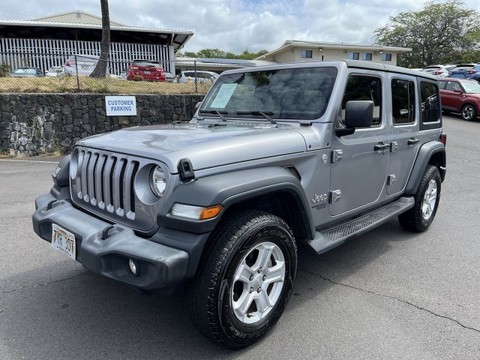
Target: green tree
100, 70
437, 34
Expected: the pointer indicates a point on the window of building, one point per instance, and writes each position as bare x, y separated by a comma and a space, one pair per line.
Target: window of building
306, 54
403, 102
354, 56
386, 57
367, 56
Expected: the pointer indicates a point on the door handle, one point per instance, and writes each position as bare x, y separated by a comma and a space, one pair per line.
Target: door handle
413, 141
381, 147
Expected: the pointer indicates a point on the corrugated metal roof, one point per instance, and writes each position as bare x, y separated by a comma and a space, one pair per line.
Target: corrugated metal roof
92, 26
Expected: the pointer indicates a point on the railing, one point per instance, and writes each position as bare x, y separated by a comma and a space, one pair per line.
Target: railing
19, 74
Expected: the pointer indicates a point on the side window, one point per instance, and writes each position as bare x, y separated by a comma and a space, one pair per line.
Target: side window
430, 102
403, 102
361, 87
453, 86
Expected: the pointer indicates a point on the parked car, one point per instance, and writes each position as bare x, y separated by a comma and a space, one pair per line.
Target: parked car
437, 70
466, 72
169, 77
145, 70
460, 95
463, 67
24, 72
81, 64
274, 157
464, 75
55, 71
201, 76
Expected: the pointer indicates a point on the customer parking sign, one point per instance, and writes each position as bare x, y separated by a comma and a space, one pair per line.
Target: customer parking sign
121, 105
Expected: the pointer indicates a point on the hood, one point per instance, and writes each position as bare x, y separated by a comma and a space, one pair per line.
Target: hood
205, 146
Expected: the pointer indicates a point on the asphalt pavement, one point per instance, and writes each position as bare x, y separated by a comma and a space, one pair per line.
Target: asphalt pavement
388, 294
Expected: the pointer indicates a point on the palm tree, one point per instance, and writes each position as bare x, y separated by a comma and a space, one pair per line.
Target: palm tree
100, 70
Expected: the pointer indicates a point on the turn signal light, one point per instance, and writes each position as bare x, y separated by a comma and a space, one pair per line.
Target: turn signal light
211, 212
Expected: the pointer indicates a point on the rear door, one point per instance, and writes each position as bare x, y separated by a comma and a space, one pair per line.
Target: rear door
451, 94
404, 140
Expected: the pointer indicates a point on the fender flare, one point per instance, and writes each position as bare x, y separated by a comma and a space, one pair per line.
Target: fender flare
229, 189
424, 156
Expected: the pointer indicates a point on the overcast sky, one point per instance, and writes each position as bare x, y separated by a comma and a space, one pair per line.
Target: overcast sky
238, 25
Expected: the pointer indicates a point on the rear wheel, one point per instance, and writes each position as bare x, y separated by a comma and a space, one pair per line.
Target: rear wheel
245, 279
421, 216
469, 112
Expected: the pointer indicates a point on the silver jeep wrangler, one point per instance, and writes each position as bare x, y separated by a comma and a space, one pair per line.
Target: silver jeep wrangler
312, 153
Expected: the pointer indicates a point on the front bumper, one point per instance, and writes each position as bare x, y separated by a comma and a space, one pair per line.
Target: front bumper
105, 249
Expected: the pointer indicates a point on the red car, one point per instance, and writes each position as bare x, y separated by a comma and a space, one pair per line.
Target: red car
145, 70
460, 95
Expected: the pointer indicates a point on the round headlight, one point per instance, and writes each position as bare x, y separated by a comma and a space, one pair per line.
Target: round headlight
158, 181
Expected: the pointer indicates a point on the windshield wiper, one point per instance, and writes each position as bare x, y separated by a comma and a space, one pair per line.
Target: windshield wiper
217, 112
264, 114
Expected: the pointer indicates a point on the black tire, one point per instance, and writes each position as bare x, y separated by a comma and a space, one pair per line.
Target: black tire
420, 217
469, 112
218, 290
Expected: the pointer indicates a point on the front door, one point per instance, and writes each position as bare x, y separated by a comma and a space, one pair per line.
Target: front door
360, 161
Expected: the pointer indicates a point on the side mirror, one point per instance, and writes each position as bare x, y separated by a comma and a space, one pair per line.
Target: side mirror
358, 114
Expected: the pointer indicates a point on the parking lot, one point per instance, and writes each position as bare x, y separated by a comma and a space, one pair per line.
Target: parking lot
388, 294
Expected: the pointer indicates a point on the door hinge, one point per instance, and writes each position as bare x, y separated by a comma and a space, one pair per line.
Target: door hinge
391, 179
335, 195
393, 146
337, 155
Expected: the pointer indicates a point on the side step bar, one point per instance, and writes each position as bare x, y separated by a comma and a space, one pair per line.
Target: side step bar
334, 236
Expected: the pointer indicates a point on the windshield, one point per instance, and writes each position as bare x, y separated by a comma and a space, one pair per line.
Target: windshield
299, 93
471, 87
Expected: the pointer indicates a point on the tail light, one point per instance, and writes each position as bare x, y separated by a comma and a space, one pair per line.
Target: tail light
70, 63
471, 71
437, 73
443, 139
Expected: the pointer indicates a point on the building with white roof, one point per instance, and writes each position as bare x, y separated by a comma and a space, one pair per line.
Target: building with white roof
298, 51
49, 41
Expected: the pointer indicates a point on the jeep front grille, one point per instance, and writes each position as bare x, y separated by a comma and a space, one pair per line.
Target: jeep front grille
105, 181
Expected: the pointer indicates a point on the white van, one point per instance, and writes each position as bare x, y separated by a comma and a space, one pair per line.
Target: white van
83, 64
201, 76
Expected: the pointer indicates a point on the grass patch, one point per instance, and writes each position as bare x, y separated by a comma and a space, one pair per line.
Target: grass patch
69, 84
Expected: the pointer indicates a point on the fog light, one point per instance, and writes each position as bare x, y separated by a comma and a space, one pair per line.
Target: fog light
133, 267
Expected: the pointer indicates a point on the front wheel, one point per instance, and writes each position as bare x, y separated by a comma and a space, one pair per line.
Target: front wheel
245, 279
421, 216
469, 112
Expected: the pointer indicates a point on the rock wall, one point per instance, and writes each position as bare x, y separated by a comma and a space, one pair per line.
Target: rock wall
35, 124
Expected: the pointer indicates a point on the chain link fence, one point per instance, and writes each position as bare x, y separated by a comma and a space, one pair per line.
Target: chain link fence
73, 74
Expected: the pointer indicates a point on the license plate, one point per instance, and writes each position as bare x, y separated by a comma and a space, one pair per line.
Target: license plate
146, 72
64, 241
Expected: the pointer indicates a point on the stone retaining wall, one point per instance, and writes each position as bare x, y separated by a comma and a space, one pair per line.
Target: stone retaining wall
35, 124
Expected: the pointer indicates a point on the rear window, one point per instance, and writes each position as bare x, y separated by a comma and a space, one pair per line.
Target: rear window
431, 111
145, 63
